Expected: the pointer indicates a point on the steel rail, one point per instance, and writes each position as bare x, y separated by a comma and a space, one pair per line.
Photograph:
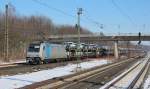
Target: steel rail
139, 83
73, 80
133, 82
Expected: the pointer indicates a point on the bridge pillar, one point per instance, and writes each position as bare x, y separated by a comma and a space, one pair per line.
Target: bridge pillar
116, 53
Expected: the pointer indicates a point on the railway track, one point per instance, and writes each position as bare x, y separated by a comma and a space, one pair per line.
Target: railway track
9, 65
83, 80
21, 68
130, 79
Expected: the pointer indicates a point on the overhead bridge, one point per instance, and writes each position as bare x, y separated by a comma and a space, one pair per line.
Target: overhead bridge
95, 38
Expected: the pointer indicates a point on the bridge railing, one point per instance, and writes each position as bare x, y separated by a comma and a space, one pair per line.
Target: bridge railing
123, 34
98, 34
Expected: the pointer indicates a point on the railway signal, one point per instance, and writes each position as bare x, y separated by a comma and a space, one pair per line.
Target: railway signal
139, 34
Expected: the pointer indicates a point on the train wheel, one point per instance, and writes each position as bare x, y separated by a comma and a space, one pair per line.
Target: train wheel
30, 63
45, 62
40, 62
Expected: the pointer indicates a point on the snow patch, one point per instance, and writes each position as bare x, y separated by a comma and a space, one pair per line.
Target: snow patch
16, 81
147, 83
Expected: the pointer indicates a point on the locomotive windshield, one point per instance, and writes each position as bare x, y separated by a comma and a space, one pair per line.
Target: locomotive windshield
34, 48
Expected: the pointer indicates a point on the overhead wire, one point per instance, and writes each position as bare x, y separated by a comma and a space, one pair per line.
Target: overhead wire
122, 12
67, 14
53, 8
56, 9
90, 19
86, 17
94, 22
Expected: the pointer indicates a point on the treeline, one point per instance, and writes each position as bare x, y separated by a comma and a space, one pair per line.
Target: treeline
35, 25
24, 29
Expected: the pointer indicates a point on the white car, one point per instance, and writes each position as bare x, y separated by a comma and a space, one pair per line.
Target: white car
70, 45
92, 46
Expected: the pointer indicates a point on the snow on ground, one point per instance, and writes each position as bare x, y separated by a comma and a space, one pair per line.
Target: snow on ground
147, 83
16, 81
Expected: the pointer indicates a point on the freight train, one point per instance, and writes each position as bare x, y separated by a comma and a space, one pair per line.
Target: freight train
45, 52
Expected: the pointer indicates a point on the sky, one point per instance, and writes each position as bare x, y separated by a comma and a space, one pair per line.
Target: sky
116, 16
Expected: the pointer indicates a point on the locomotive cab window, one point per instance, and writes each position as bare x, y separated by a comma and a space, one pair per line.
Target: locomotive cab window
34, 48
